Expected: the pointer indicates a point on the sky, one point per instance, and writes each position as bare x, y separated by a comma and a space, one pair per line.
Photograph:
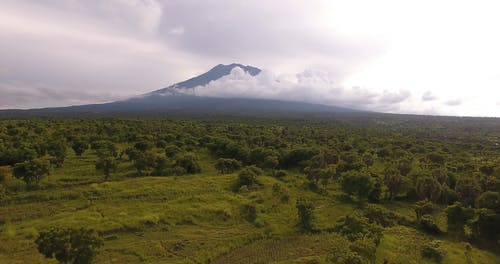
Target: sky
398, 56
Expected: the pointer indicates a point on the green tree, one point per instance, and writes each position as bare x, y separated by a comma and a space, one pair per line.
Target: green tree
79, 146
489, 200
106, 165
393, 180
468, 190
248, 176
486, 225
78, 246
457, 216
225, 166
305, 213
189, 162
58, 150
31, 171
357, 183
428, 188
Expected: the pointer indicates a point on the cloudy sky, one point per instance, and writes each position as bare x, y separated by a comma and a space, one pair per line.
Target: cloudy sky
429, 57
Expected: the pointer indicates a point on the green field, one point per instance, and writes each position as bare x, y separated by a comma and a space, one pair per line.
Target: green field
198, 218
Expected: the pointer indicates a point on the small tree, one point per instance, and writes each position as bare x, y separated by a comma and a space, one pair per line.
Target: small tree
393, 180
57, 150
225, 166
248, 176
357, 183
106, 165
305, 210
77, 246
189, 162
489, 200
468, 190
428, 188
31, 171
79, 146
457, 217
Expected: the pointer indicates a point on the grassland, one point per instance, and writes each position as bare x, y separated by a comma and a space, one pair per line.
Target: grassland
195, 219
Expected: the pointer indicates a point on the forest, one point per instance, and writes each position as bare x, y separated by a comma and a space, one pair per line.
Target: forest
348, 188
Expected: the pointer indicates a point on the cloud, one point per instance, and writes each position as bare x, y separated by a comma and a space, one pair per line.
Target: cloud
312, 86
453, 102
38, 95
428, 96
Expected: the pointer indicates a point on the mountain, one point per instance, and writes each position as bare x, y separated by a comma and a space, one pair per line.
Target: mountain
213, 74
178, 99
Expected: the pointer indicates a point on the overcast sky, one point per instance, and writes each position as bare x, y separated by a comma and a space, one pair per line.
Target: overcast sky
430, 57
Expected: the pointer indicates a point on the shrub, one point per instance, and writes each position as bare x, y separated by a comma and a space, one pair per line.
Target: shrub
428, 225
356, 226
249, 212
248, 176
69, 245
433, 251
280, 174
189, 162
380, 215
424, 207
225, 166
305, 210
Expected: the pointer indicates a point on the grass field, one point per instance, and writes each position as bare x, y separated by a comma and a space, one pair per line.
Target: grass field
195, 219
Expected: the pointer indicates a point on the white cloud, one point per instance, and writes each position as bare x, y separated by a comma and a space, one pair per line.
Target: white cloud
429, 96
311, 86
453, 102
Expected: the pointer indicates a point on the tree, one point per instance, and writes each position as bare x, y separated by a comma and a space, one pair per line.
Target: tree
78, 246
486, 225
428, 188
189, 162
248, 176
225, 166
468, 190
489, 200
144, 162
57, 149
457, 216
305, 210
357, 183
356, 226
104, 147
393, 180
79, 146
143, 145
106, 165
172, 150
31, 171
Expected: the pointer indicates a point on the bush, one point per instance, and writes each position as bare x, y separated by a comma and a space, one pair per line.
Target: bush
433, 251
189, 162
305, 210
69, 245
225, 166
424, 207
356, 226
249, 212
380, 215
248, 176
428, 225
280, 174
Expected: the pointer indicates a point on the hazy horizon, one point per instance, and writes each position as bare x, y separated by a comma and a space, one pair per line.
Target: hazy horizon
389, 56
